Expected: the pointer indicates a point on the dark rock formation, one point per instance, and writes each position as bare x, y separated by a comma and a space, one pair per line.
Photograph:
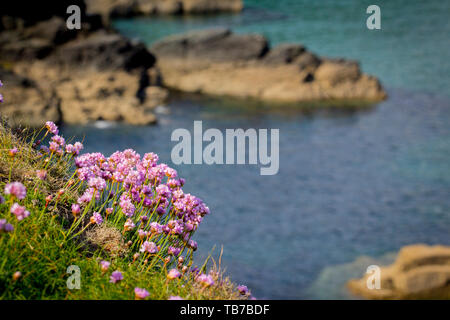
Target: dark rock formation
212, 45
75, 76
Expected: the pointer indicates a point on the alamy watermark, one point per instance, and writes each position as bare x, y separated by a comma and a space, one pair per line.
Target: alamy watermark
373, 22
231, 149
374, 279
74, 280
74, 20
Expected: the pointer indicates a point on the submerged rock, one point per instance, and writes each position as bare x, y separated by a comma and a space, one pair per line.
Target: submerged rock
420, 272
219, 62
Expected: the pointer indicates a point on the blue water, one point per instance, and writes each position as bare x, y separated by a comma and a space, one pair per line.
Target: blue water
351, 183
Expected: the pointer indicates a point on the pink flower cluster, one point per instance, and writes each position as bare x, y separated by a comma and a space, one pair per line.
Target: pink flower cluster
16, 191
143, 198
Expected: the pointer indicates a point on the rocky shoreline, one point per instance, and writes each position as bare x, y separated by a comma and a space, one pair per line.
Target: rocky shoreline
219, 62
81, 76
75, 76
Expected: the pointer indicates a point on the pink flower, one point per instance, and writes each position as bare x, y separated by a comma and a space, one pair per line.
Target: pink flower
5, 226
41, 174
96, 218
175, 298
149, 247
19, 211
173, 274
16, 189
77, 147
140, 293
129, 225
104, 265
75, 209
205, 280
97, 183
51, 127
13, 152
242, 289
174, 251
116, 276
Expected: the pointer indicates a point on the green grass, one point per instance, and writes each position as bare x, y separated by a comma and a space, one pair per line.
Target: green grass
39, 250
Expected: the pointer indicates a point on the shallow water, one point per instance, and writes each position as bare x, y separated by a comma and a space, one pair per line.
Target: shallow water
351, 183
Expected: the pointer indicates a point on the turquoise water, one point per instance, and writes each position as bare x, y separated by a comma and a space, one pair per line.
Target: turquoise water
350, 184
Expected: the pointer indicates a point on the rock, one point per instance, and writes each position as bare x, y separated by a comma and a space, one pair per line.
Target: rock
218, 62
156, 95
29, 49
53, 30
127, 8
334, 72
212, 45
76, 77
104, 50
76, 96
26, 13
25, 103
284, 53
307, 61
420, 272
208, 6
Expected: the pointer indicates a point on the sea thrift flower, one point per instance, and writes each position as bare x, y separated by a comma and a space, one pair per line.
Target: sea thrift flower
41, 174
173, 274
13, 152
5, 226
16, 189
96, 218
149, 247
205, 280
126, 205
1, 98
175, 298
17, 275
97, 183
142, 234
129, 225
192, 244
140, 293
174, 251
76, 209
51, 127
155, 228
19, 211
77, 147
61, 192
116, 276
48, 199
242, 289
104, 265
